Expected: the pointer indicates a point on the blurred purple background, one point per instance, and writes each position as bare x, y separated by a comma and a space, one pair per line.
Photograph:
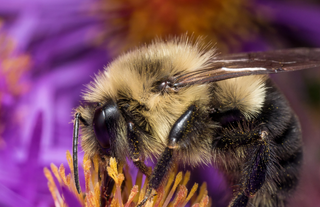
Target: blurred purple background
50, 49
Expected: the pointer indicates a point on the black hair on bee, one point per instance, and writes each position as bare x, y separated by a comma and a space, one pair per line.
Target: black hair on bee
178, 101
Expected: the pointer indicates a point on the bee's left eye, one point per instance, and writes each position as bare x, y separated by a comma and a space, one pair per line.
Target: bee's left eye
105, 123
163, 86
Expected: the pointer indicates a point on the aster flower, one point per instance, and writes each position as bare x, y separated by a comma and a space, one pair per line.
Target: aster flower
120, 195
38, 56
56, 38
128, 22
13, 66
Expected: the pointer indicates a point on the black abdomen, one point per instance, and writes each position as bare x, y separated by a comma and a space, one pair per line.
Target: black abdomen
285, 145
283, 167
237, 141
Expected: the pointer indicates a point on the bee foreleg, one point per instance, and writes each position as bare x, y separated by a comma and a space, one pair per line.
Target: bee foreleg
147, 171
164, 164
240, 201
134, 150
253, 174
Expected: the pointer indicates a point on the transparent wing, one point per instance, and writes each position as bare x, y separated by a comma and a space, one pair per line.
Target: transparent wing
243, 64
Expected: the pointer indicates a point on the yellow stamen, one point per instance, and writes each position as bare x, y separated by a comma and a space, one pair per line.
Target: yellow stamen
133, 193
203, 192
70, 163
193, 190
181, 196
143, 191
204, 202
53, 188
55, 171
139, 183
62, 174
91, 197
186, 178
166, 190
176, 182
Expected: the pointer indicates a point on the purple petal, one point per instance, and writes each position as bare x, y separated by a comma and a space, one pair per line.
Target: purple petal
11, 198
303, 18
70, 198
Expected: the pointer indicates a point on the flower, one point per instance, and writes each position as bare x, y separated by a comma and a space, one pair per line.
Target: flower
13, 66
39, 54
55, 42
127, 23
120, 196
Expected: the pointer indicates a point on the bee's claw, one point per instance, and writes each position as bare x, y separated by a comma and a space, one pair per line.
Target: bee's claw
146, 197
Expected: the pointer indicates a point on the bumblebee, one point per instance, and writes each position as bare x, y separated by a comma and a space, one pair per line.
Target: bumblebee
182, 101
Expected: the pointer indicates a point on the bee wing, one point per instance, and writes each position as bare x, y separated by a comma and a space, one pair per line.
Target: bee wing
243, 64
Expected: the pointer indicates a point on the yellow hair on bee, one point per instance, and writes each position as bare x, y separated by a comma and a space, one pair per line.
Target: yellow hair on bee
178, 55
131, 77
244, 93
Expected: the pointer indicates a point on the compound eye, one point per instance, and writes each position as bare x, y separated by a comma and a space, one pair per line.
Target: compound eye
105, 124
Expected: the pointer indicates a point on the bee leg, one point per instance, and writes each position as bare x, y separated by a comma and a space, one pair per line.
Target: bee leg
164, 164
147, 171
258, 169
254, 173
237, 137
106, 189
134, 150
75, 149
240, 201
